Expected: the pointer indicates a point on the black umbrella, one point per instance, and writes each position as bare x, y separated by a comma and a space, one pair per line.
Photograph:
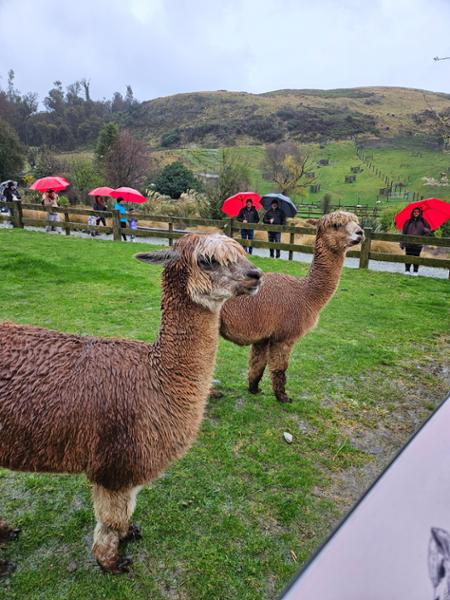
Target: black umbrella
284, 202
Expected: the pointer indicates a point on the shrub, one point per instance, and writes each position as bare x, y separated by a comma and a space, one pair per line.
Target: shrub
175, 179
171, 138
325, 203
386, 219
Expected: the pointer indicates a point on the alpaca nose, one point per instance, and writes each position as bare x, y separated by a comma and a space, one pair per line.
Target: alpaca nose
360, 232
254, 274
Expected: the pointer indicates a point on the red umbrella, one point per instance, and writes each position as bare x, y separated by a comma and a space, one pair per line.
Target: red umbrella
128, 194
101, 191
50, 183
233, 204
435, 212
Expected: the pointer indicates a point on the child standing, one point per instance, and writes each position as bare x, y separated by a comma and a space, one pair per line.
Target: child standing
133, 224
92, 221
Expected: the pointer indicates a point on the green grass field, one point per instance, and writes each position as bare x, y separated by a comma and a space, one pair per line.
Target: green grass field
236, 517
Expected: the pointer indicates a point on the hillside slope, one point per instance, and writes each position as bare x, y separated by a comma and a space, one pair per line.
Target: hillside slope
228, 118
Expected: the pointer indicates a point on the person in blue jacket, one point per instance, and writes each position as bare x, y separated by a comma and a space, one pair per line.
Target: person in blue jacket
123, 211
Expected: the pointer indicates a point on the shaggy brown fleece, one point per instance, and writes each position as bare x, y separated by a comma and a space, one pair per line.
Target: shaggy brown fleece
120, 410
286, 307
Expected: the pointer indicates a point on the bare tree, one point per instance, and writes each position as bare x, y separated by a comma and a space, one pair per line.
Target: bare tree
285, 165
127, 161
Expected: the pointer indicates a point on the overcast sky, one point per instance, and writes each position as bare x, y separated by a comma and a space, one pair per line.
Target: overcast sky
162, 47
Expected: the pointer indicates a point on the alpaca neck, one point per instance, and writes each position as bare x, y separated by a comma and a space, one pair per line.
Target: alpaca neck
324, 274
187, 344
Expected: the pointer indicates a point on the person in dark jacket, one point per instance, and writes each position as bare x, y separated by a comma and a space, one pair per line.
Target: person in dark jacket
415, 225
274, 216
10, 192
248, 214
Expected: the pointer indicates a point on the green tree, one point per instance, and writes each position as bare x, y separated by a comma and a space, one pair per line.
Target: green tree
234, 176
55, 99
109, 134
84, 177
12, 153
44, 162
107, 138
175, 179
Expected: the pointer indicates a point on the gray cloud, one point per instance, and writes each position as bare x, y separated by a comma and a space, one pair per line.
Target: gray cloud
162, 47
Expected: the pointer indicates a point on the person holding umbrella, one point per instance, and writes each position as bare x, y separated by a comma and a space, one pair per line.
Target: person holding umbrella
274, 216
415, 225
50, 198
10, 192
123, 211
99, 204
248, 214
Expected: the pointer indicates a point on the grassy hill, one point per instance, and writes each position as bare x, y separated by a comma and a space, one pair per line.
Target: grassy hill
239, 118
400, 160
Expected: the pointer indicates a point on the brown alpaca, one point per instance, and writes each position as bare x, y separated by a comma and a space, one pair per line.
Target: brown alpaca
119, 410
286, 307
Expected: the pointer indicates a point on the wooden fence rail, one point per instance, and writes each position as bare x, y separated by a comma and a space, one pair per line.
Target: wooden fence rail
176, 227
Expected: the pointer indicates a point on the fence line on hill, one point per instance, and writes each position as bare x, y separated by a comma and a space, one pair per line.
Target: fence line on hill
176, 228
392, 189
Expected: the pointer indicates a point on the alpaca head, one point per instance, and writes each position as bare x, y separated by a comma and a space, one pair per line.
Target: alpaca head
339, 230
215, 268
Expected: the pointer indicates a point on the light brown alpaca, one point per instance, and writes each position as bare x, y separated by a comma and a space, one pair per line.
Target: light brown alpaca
286, 307
119, 410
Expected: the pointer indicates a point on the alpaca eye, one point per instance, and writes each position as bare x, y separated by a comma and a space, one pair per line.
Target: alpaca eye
207, 263
336, 225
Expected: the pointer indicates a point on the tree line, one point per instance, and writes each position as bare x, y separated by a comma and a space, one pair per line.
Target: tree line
72, 117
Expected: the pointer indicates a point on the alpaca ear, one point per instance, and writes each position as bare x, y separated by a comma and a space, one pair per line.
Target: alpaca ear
442, 540
159, 257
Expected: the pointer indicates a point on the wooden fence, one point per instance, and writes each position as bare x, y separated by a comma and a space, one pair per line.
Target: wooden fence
176, 227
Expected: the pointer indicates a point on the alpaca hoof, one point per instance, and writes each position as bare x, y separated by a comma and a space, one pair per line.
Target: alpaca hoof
8, 534
134, 534
284, 399
121, 565
254, 389
124, 565
6, 568
13, 534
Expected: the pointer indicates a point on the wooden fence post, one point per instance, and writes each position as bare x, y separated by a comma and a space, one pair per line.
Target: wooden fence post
291, 241
16, 214
170, 228
116, 225
66, 220
229, 228
365, 248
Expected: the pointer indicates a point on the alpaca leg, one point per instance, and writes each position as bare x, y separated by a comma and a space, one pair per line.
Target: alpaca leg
6, 568
7, 533
134, 533
279, 353
256, 365
113, 511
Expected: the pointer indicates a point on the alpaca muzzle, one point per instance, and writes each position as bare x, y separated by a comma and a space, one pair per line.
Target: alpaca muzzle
357, 237
251, 283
